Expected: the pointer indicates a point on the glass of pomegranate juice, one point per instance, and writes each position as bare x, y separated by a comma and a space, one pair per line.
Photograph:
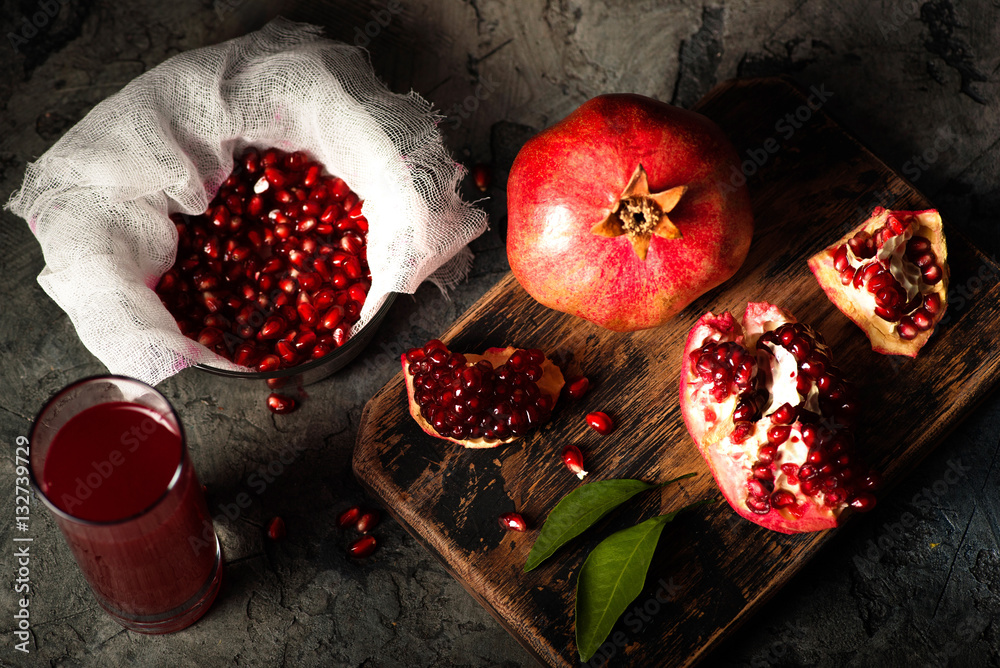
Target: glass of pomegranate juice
109, 459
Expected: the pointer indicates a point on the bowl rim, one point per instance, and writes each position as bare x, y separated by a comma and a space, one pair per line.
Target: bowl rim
353, 342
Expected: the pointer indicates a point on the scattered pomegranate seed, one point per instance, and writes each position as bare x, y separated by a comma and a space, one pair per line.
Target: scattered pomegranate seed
280, 404
600, 422
362, 547
482, 176
513, 522
573, 459
367, 521
349, 517
276, 529
578, 387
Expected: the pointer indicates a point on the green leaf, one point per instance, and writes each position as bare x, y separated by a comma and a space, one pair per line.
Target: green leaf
580, 509
612, 576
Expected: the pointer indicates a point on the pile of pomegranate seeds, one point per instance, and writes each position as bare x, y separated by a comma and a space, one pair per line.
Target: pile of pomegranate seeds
275, 272
479, 401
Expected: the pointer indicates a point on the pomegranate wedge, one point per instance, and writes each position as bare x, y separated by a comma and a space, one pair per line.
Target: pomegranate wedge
889, 276
774, 418
480, 401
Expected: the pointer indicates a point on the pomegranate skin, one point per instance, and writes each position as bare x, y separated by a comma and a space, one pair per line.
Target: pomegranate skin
572, 176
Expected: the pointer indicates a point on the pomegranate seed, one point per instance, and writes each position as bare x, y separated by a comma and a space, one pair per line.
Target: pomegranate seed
210, 336
600, 422
279, 404
367, 521
921, 319
863, 502
276, 528
362, 547
785, 414
931, 274
358, 292
840, 261
573, 459
578, 387
332, 317
268, 363
894, 225
251, 161
320, 350
312, 175
906, 329
349, 517
340, 335
272, 328
512, 522
275, 177
481, 176
782, 499
932, 303
778, 434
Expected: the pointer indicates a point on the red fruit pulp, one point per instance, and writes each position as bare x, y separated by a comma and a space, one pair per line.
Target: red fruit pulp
622, 213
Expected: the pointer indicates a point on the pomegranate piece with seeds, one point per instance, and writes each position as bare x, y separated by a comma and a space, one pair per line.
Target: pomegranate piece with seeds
480, 401
257, 280
774, 419
889, 276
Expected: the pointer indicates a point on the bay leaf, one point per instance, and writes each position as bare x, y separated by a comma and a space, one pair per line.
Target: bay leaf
580, 509
611, 578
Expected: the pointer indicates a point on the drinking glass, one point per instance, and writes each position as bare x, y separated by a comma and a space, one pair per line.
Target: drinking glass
109, 458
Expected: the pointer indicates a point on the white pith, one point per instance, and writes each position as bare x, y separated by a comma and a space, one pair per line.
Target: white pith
905, 272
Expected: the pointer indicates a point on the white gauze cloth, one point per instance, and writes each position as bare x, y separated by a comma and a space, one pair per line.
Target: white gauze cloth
98, 201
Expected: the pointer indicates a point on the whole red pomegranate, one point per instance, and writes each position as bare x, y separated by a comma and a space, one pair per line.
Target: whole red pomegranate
622, 212
773, 418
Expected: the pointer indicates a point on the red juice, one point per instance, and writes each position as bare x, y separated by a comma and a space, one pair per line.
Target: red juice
111, 461
139, 527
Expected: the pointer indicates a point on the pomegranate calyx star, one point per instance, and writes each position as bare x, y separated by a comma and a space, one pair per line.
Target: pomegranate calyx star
640, 214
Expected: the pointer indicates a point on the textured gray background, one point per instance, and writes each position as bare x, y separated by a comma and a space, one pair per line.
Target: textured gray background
904, 75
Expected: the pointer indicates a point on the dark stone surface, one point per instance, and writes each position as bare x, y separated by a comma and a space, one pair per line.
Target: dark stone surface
915, 583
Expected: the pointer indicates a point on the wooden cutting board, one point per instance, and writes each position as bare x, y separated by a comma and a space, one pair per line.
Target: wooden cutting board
712, 569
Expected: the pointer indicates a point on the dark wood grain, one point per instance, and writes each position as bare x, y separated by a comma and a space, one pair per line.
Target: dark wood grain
714, 567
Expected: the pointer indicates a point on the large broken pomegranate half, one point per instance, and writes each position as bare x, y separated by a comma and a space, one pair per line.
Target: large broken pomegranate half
480, 401
890, 276
773, 418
